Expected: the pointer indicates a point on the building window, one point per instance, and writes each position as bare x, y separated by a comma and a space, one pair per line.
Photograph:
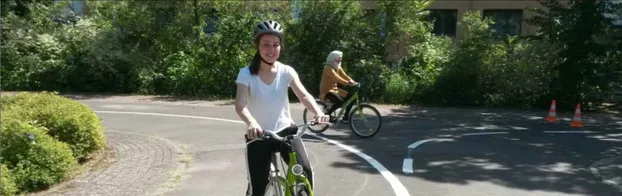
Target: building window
78, 7
445, 21
210, 22
295, 9
381, 22
612, 13
506, 22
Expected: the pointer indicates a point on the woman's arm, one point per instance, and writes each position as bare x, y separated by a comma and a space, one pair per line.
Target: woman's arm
241, 96
343, 74
303, 95
332, 74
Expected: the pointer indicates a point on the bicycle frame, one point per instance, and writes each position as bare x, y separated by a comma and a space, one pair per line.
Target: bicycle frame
290, 180
354, 98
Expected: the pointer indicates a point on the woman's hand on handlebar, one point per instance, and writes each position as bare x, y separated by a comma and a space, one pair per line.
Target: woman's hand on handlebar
353, 83
254, 131
321, 119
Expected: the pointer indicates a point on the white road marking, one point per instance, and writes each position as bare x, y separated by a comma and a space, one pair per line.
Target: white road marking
407, 164
485, 133
398, 187
568, 132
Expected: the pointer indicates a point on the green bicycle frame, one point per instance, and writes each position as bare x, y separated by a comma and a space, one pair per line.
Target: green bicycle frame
355, 99
291, 181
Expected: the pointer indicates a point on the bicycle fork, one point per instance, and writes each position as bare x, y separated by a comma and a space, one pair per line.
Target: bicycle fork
296, 179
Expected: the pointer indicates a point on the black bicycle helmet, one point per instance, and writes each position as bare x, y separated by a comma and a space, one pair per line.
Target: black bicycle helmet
268, 26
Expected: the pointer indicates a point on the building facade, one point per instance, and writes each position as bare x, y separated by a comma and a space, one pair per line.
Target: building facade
508, 15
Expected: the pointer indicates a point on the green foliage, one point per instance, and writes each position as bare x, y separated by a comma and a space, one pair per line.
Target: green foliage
322, 27
373, 76
485, 70
584, 62
66, 120
7, 181
158, 47
36, 160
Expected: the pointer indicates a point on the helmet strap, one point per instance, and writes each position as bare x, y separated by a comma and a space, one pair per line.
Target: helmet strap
266, 62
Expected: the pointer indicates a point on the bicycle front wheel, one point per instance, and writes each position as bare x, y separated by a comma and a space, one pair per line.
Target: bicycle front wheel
303, 190
365, 125
308, 116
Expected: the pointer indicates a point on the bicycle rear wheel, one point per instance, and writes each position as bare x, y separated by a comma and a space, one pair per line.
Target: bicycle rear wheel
307, 115
359, 112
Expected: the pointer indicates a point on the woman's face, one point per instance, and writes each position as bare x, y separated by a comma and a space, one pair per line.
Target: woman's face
338, 60
270, 47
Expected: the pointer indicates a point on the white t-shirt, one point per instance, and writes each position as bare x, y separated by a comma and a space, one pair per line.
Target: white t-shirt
269, 104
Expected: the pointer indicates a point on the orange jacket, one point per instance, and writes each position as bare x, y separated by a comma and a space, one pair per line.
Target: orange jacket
330, 78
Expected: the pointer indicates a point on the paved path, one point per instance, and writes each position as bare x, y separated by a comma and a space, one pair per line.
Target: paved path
610, 171
139, 164
525, 161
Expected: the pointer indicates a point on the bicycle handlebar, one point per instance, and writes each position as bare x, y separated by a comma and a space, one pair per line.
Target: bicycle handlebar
272, 135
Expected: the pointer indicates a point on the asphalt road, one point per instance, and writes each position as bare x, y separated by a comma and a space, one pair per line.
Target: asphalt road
523, 160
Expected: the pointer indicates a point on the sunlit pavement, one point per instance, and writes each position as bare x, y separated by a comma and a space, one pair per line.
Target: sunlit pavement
526, 156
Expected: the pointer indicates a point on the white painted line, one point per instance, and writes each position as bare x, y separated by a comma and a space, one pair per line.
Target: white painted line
171, 115
398, 187
418, 143
405, 166
568, 132
485, 133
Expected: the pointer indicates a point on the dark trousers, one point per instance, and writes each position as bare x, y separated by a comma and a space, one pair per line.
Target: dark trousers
338, 101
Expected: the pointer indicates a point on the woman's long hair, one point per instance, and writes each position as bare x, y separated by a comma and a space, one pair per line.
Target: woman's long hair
254, 66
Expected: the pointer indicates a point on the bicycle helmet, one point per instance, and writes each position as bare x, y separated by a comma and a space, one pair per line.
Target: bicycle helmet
268, 26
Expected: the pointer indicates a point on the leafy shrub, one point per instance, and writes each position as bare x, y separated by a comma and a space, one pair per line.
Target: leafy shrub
488, 70
398, 88
373, 76
325, 26
7, 182
36, 159
67, 120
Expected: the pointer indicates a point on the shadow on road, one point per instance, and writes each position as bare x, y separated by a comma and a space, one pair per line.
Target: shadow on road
525, 159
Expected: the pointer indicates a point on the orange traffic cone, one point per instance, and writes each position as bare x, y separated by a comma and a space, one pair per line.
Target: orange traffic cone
576, 121
552, 113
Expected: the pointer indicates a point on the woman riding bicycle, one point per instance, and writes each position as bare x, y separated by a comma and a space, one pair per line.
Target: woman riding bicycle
332, 75
262, 103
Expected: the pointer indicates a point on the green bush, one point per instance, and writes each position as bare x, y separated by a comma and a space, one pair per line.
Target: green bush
67, 120
7, 182
398, 89
489, 70
36, 159
373, 76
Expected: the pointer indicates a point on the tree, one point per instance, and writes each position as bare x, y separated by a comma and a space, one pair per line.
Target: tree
581, 73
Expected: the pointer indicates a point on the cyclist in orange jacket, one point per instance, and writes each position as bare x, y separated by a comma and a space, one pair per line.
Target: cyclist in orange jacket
333, 75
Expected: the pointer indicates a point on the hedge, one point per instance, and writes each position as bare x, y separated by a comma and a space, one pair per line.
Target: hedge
44, 138
8, 186
66, 120
36, 160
